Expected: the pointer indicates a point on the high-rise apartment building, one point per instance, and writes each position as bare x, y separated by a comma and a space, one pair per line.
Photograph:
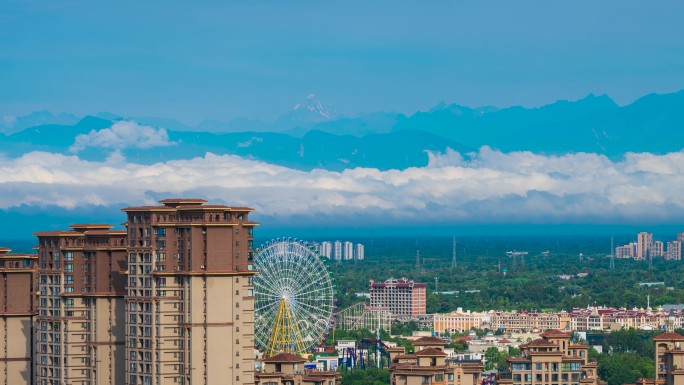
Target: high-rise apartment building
337, 250
325, 249
680, 237
17, 311
348, 251
404, 298
190, 305
80, 323
626, 251
359, 252
644, 245
657, 249
674, 251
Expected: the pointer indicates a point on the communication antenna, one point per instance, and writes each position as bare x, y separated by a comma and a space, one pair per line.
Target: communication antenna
612, 254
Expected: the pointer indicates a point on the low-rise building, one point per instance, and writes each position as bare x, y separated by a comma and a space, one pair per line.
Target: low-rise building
551, 359
429, 365
528, 320
669, 359
288, 369
457, 321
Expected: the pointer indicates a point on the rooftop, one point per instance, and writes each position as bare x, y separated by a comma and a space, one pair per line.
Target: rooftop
668, 336
285, 357
555, 333
541, 343
423, 341
91, 226
430, 352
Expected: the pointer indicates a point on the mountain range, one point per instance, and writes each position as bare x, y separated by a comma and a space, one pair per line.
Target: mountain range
314, 135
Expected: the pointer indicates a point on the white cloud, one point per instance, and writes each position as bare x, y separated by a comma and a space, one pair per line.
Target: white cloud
9, 121
123, 135
486, 186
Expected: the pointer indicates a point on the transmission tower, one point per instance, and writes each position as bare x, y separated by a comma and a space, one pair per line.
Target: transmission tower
612, 254
453, 253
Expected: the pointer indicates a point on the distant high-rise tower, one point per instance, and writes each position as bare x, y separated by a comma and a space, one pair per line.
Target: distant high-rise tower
359, 252
337, 250
348, 251
417, 259
644, 243
325, 249
657, 249
674, 251
453, 253
680, 237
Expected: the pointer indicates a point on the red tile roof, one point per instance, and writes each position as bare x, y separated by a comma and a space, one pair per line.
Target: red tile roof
668, 336
430, 352
540, 342
555, 333
285, 357
423, 341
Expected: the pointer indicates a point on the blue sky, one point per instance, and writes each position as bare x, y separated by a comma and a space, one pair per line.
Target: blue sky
200, 60
223, 59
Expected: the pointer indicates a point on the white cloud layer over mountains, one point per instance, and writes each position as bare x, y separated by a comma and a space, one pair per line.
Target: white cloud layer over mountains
486, 187
124, 134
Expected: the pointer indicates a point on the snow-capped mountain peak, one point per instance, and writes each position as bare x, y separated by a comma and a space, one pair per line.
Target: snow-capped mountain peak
312, 110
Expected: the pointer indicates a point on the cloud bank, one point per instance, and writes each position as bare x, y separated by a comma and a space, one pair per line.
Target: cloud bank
121, 135
483, 187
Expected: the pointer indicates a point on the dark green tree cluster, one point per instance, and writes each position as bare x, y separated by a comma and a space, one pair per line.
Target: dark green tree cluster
628, 355
370, 376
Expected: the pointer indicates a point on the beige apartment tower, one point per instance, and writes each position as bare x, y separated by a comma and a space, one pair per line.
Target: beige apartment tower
17, 311
190, 305
79, 329
644, 245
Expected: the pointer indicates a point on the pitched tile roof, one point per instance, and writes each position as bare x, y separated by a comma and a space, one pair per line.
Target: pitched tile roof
540, 342
285, 357
668, 336
422, 341
555, 333
430, 352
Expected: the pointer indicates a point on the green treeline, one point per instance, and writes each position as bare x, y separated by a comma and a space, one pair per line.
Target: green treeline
481, 283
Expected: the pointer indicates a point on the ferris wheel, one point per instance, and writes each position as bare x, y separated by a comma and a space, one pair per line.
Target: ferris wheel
294, 298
